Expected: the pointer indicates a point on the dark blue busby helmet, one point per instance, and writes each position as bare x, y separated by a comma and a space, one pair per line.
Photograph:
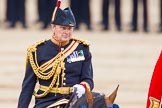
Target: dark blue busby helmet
63, 17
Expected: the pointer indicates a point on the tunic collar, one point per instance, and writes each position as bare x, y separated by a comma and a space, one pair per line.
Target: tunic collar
59, 43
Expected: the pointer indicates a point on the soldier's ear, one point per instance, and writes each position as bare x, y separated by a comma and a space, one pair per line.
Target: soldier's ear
53, 27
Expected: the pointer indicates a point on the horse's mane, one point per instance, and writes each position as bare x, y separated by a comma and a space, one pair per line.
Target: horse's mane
99, 101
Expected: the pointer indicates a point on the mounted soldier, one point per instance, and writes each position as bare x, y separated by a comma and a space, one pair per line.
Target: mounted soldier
61, 65
58, 64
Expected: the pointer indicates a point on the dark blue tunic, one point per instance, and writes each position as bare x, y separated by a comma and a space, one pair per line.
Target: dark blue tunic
75, 73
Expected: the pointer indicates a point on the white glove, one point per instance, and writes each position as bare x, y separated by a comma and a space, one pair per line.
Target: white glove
80, 90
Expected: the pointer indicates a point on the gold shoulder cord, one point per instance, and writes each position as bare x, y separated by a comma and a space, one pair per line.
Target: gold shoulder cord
40, 73
81, 41
56, 70
58, 67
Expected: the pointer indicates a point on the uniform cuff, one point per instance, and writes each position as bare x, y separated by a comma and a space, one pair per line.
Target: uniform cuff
85, 83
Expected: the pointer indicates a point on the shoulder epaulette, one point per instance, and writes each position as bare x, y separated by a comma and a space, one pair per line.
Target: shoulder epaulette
84, 42
32, 49
34, 46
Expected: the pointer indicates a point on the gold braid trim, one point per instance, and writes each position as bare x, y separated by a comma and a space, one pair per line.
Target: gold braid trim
40, 73
57, 68
81, 41
50, 63
34, 63
60, 68
32, 49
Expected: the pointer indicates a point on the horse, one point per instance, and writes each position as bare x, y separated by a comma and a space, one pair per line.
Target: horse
89, 100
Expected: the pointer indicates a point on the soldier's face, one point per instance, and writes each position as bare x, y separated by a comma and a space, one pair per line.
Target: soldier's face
62, 33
